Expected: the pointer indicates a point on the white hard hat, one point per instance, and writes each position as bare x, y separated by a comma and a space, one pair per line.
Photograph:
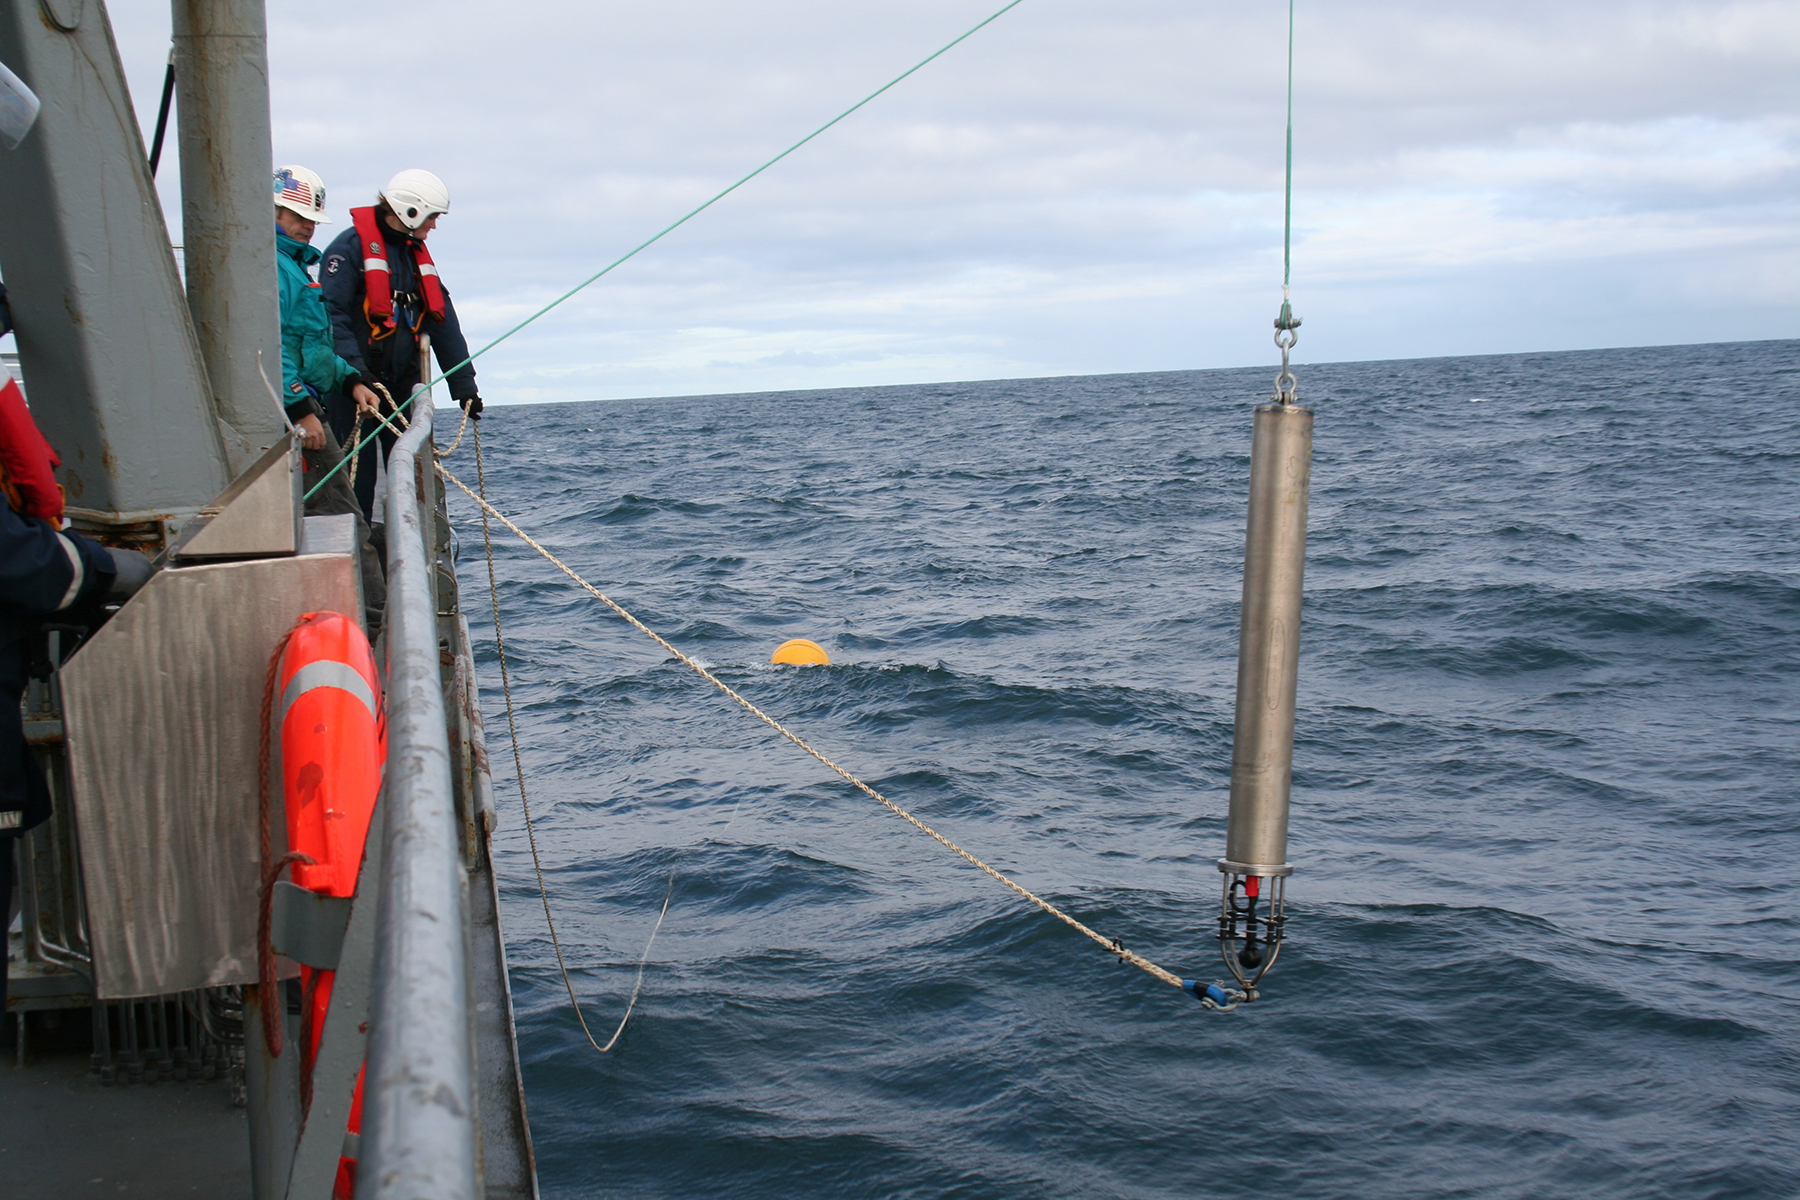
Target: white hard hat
301, 191
416, 196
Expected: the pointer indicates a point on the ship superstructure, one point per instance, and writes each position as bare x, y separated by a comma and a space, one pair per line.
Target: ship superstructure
144, 897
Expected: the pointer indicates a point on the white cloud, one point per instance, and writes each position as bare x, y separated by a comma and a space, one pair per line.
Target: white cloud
1079, 187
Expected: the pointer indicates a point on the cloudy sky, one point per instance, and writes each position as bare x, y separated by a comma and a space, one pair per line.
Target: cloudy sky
1085, 186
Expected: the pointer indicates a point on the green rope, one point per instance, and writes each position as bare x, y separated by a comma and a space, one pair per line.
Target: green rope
1287, 320
1287, 213
670, 228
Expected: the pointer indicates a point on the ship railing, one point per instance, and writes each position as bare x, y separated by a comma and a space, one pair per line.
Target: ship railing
420, 1135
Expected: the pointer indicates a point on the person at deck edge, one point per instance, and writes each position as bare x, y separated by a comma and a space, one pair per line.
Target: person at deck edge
383, 291
311, 369
44, 572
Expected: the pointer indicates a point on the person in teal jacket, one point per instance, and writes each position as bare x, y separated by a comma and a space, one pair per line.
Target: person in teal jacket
310, 368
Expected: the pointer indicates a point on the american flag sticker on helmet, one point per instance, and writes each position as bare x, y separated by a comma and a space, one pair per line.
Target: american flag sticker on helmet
298, 191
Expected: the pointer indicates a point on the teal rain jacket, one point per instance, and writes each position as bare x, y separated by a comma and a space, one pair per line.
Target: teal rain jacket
309, 365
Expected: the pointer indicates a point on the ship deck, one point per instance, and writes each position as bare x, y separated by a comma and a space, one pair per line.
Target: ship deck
65, 1135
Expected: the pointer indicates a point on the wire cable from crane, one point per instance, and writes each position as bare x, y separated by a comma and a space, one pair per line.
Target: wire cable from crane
1287, 325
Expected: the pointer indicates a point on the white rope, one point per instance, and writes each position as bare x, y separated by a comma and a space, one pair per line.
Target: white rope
639, 985
1112, 945
512, 729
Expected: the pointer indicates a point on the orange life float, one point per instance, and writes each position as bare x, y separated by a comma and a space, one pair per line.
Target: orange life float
333, 747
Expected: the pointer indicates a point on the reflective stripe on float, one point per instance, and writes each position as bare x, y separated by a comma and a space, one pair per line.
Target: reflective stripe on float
326, 673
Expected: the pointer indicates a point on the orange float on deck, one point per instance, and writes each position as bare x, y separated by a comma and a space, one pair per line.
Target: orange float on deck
333, 747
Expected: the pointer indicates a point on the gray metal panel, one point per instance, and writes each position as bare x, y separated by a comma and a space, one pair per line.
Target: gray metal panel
308, 926
420, 1121
228, 212
162, 709
117, 383
260, 513
273, 1087
508, 1164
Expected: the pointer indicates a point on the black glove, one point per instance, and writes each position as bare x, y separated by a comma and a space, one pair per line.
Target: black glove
472, 406
134, 571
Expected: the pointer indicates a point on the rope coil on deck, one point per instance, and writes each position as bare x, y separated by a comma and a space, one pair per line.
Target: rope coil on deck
1109, 945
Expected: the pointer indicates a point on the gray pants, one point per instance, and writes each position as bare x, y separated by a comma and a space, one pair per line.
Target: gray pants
336, 498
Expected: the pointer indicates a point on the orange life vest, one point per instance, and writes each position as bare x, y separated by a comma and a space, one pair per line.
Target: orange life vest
26, 459
378, 281
333, 748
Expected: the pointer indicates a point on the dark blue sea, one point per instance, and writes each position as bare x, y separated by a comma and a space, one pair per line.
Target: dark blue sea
1546, 809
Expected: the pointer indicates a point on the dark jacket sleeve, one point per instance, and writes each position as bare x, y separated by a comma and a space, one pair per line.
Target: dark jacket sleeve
448, 343
341, 282
38, 576
41, 572
296, 401
305, 407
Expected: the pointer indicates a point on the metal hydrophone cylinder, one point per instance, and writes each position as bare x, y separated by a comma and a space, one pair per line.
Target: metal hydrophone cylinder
1252, 912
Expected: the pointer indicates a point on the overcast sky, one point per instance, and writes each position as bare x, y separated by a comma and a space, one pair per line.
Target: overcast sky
1085, 186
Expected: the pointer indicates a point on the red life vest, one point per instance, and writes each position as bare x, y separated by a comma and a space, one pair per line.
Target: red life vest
378, 286
26, 459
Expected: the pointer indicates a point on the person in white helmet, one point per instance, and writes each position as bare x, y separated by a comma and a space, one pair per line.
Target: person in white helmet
311, 369
384, 291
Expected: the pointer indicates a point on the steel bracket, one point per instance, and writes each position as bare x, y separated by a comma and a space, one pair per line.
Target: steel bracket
308, 927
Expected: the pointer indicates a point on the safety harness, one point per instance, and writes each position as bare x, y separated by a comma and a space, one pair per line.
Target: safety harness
378, 286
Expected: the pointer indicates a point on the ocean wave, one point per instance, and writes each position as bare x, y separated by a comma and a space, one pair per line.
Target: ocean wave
1543, 792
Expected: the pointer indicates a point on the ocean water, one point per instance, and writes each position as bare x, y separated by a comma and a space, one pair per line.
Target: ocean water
1546, 810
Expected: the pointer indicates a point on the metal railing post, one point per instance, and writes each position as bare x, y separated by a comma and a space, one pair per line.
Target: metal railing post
420, 1134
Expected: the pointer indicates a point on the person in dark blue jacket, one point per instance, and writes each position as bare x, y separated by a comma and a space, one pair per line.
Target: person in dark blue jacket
42, 572
383, 291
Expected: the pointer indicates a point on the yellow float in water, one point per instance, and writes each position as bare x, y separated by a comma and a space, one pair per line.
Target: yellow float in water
801, 653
